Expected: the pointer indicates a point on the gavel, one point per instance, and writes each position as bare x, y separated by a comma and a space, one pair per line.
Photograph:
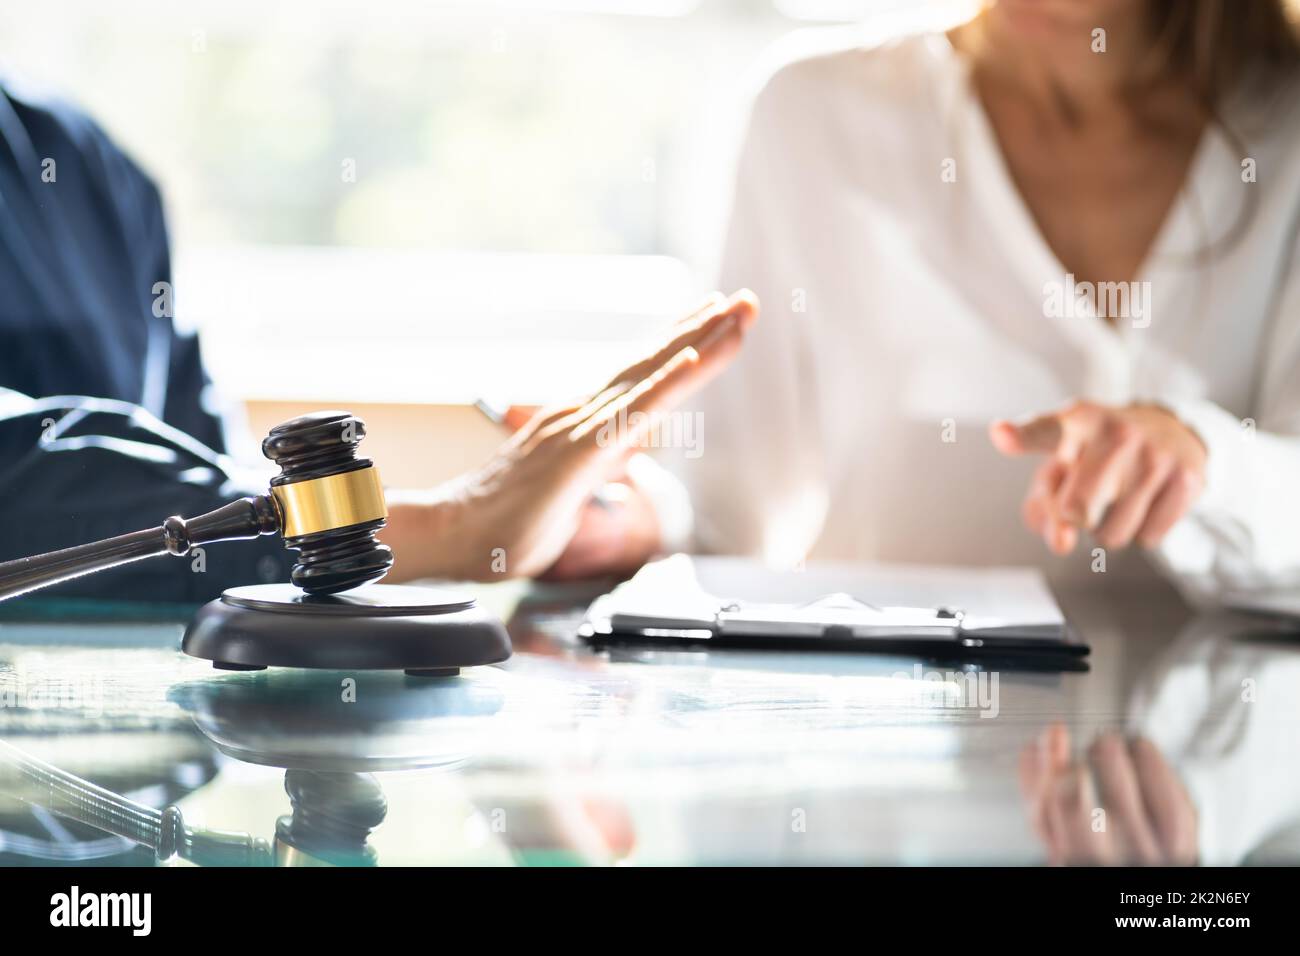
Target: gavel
327, 503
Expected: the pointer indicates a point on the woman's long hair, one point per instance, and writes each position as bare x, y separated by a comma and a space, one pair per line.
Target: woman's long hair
1215, 44
1232, 53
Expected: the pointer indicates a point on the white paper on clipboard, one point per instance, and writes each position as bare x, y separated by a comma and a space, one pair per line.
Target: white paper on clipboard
704, 595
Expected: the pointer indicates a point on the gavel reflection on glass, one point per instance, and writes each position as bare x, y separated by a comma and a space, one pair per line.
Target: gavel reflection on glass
327, 502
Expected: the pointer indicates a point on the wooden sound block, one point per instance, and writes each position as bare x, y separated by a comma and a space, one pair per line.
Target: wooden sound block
424, 631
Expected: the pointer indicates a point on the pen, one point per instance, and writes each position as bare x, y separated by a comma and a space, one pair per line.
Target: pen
493, 412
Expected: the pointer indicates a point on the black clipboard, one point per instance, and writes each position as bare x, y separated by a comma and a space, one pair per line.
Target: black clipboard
841, 622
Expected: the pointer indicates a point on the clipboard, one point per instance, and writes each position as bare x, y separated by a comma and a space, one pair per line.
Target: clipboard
666, 604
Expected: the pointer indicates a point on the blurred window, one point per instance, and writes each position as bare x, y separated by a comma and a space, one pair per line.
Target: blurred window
463, 198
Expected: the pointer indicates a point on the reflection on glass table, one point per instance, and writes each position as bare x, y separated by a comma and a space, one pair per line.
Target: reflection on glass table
649, 756
1204, 771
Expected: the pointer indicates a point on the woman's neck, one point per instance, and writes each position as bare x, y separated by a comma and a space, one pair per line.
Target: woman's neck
1065, 68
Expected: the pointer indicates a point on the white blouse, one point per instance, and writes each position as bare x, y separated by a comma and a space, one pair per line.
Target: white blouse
908, 298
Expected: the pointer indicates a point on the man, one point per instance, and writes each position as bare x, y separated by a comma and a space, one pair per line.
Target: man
108, 423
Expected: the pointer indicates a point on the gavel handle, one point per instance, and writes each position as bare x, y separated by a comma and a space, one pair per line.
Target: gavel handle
242, 519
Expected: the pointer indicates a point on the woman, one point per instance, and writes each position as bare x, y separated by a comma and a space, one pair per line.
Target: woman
1084, 210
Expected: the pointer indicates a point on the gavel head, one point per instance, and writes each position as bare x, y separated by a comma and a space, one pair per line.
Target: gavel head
331, 502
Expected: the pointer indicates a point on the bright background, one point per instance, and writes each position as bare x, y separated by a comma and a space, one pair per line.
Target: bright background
410, 205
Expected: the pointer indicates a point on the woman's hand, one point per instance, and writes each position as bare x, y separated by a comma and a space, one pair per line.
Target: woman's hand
518, 514
1122, 473
1122, 805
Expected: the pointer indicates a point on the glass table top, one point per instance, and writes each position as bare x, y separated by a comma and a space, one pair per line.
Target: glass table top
109, 736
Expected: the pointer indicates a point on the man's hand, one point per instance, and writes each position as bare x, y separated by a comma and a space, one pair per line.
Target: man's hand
1121, 805
517, 515
1125, 474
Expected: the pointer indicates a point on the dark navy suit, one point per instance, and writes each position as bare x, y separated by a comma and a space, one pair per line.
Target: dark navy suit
106, 421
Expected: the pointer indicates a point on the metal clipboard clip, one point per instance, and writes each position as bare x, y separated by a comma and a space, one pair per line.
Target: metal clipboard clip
837, 615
